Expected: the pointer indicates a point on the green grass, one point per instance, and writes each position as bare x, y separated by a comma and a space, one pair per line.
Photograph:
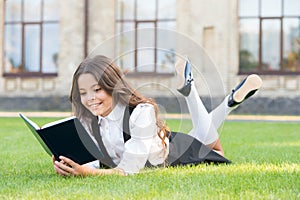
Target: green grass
266, 165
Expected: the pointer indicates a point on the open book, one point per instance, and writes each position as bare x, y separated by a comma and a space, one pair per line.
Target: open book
66, 137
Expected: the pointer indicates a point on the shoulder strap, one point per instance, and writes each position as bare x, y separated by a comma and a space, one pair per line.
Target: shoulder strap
106, 160
126, 130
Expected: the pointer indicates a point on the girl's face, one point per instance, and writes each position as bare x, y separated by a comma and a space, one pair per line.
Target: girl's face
93, 97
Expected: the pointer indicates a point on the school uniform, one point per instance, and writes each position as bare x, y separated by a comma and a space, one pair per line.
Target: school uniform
144, 147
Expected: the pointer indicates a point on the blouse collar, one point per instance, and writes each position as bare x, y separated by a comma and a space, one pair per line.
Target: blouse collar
116, 114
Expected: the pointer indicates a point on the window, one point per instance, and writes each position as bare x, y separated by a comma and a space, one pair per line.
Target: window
269, 36
31, 37
143, 47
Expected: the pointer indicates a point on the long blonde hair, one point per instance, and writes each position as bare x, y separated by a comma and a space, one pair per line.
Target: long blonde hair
110, 78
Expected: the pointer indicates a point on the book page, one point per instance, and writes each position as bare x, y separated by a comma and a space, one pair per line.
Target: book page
34, 128
34, 125
57, 122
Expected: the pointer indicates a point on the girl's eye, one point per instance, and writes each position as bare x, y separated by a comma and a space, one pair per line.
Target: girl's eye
82, 93
97, 89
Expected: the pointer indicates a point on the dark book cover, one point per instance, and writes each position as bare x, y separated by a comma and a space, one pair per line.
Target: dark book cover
66, 137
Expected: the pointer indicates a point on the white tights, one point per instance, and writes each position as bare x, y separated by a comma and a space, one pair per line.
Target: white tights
205, 125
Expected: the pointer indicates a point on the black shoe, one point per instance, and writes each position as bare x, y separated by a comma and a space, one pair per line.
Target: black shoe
244, 90
184, 76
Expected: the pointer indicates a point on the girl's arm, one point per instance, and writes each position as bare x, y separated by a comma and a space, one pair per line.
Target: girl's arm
143, 131
67, 167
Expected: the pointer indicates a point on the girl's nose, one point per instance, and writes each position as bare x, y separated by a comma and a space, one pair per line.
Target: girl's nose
91, 96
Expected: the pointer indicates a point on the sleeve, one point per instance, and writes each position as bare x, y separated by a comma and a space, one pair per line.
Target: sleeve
143, 130
93, 164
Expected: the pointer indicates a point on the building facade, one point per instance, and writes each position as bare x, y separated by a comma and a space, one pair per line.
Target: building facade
43, 41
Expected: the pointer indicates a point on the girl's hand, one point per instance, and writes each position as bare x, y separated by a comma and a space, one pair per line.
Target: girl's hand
67, 167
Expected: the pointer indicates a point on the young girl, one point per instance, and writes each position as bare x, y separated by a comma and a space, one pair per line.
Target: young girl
100, 96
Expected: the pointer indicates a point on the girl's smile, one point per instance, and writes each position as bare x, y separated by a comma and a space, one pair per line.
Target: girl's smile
93, 97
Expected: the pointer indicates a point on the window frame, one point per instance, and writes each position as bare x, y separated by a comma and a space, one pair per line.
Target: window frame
23, 24
135, 22
259, 68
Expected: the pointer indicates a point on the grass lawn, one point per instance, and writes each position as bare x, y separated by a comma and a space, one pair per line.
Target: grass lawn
265, 156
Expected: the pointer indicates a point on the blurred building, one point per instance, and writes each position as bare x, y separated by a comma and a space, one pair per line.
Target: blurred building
43, 41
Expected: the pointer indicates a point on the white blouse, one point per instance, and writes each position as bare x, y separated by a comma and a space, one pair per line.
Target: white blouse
144, 143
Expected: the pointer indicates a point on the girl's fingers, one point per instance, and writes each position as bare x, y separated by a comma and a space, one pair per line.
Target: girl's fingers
63, 166
68, 161
68, 167
60, 171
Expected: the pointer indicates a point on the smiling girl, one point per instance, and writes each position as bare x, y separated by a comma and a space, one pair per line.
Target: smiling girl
100, 96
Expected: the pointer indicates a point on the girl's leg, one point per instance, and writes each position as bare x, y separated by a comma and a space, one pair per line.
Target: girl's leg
219, 114
239, 94
203, 128
205, 124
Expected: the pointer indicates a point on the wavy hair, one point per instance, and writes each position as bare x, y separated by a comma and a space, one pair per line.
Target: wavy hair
110, 78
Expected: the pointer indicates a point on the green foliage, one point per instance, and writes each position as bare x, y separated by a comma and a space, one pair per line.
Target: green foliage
247, 61
266, 165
